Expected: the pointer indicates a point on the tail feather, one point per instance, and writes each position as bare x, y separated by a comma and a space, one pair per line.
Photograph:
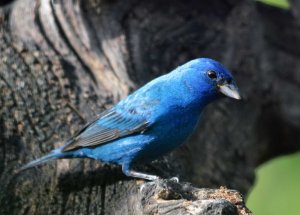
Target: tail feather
52, 156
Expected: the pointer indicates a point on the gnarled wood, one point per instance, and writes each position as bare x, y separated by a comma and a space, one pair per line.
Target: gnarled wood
62, 62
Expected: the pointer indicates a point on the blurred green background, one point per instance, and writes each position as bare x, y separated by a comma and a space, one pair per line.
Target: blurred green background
277, 187
277, 3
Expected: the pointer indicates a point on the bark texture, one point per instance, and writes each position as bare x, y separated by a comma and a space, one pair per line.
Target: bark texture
64, 61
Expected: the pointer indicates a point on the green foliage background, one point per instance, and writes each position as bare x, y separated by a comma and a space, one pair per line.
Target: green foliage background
277, 188
277, 3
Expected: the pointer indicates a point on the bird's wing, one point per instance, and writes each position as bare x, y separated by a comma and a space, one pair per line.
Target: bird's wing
108, 126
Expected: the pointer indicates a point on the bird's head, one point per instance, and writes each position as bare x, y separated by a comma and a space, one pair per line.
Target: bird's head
210, 79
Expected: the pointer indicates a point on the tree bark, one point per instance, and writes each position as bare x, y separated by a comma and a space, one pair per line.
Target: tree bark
63, 61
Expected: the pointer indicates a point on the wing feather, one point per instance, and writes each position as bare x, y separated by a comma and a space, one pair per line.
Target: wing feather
107, 127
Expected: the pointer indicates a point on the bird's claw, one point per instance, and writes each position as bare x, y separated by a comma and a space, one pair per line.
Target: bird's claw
142, 187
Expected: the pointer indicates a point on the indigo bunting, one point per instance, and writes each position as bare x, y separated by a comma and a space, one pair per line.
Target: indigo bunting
151, 121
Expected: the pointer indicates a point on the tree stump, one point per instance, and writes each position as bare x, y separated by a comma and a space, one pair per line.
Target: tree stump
62, 62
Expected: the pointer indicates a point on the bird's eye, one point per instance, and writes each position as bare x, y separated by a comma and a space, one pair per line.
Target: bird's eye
212, 74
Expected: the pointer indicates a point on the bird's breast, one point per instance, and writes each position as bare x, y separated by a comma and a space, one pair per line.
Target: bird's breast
173, 128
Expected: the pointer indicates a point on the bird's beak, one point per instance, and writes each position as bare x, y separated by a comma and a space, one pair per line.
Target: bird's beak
230, 90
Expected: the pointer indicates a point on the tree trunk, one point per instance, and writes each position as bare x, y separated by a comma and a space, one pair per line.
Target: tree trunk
63, 61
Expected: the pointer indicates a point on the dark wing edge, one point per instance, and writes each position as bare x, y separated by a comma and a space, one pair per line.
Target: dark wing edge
103, 135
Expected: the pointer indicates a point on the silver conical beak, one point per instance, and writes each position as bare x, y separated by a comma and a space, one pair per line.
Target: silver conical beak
230, 90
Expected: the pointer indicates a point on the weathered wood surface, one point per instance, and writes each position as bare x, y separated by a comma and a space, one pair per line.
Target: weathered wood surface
62, 63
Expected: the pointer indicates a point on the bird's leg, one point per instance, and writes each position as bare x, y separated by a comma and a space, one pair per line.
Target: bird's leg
135, 174
132, 173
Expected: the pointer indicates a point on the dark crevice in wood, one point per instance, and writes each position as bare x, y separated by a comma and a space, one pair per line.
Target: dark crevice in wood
125, 26
103, 202
69, 45
44, 33
92, 32
6, 2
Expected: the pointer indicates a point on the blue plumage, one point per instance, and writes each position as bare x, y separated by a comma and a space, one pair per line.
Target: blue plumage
151, 121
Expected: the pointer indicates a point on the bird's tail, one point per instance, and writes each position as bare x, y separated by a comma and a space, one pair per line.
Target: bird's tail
52, 156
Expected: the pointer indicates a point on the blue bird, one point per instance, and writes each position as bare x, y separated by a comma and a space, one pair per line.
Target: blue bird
151, 121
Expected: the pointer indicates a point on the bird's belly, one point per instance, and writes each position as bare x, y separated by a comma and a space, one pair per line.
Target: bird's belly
124, 150
145, 147
166, 139
137, 148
